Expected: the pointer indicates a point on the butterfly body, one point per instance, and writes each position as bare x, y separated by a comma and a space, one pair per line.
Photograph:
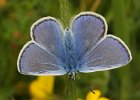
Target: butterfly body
84, 47
71, 61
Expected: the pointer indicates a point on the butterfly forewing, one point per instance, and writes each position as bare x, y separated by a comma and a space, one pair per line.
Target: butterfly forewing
88, 29
48, 33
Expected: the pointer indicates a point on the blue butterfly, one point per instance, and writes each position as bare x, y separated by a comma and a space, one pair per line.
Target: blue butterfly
84, 47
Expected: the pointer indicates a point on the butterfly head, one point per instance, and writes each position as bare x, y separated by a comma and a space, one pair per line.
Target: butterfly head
72, 74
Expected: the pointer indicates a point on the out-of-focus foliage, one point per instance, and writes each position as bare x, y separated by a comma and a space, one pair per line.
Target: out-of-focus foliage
16, 18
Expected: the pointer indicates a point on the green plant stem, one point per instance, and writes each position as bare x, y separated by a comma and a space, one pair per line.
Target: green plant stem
71, 89
65, 12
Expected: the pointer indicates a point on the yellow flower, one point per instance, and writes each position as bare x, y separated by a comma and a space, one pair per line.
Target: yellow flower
42, 88
96, 96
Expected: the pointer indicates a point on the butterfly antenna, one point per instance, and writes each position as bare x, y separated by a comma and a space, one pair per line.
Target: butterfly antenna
90, 88
85, 84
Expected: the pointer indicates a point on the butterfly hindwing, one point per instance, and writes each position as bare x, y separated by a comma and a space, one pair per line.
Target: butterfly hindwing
109, 53
34, 60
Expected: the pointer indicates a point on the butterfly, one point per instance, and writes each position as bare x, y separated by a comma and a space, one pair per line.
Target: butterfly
84, 47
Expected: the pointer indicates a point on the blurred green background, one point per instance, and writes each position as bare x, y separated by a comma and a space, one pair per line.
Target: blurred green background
16, 18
